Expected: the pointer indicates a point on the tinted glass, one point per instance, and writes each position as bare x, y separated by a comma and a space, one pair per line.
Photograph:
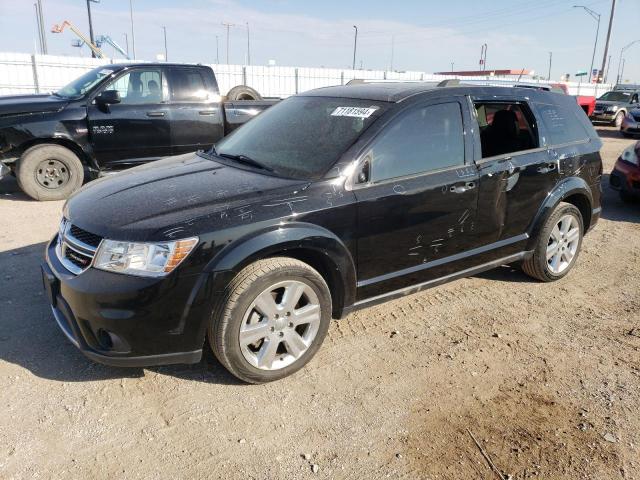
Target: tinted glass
187, 85
138, 87
505, 128
616, 96
424, 139
562, 124
302, 137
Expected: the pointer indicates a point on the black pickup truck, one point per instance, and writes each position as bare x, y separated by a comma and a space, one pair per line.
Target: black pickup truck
333, 200
114, 117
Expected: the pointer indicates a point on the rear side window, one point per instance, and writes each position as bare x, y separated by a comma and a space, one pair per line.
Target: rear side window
562, 124
505, 128
422, 140
187, 85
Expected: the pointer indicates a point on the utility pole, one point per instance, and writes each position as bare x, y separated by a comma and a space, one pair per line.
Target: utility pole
166, 55
596, 16
621, 61
483, 57
93, 54
133, 37
355, 46
39, 29
393, 41
550, 60
606, 45
228, 25
43, 38
248, 46
217, 50
126, 42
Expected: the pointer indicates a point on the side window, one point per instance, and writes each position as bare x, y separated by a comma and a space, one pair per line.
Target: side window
505, 128
562, 124
634, 99
187, 85
138, 87
422, 140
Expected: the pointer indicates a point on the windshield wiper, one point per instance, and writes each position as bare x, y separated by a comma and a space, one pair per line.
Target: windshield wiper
246, 160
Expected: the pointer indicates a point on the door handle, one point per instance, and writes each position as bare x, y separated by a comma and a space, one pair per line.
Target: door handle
207, 112
155, 114
462, 188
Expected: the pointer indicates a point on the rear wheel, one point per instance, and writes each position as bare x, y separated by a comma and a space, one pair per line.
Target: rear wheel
49, 172
271, 320
557, 246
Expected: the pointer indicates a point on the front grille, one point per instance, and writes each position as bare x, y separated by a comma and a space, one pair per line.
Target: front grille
76, 247
84, 236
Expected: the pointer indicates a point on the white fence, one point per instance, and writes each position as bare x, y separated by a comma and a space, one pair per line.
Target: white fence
25, 73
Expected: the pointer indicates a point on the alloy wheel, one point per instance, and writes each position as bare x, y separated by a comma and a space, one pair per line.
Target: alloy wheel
563, 244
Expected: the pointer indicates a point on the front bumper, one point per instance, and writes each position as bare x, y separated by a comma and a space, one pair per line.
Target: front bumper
625, 177
599, 116
122, 320
630, 127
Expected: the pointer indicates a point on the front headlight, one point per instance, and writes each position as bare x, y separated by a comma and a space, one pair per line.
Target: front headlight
631, 154
143, 259
613, 108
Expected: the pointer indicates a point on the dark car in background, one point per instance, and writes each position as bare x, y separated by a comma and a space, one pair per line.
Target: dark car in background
114, 117
330, 201
630, 125
613, 106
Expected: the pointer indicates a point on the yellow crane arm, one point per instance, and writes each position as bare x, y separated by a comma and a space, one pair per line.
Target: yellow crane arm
59, 28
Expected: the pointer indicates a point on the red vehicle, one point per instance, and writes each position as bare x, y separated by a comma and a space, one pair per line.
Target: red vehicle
587, 103
625, 176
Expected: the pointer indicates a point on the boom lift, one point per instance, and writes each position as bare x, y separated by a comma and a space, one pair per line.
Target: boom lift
60, 28
107, 39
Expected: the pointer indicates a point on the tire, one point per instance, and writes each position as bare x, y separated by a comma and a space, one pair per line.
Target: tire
242, 92
49, 172
243, 306
617, 121
538, 265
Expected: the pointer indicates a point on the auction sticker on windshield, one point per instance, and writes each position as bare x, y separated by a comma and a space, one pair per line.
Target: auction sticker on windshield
357, 112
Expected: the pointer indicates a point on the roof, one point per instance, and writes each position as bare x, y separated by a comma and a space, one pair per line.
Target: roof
482, 73
397, 92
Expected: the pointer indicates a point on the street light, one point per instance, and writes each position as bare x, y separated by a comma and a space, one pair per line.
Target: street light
93, 54
620, 62
355, 44
596, 17
166, 56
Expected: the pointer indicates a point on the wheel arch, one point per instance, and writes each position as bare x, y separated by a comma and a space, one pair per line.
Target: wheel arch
573, 190
311, 244
68, 143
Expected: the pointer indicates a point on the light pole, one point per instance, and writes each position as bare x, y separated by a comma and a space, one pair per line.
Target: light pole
40, 19
228, 25
217, 50
248, 46
166, 56
621, 61
606, 45
126, 42
355, 45
483, 57
596, 17
550, 60
133, 37
93, 54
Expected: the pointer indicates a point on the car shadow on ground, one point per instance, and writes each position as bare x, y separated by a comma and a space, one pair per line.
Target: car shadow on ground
30, 337
614, 209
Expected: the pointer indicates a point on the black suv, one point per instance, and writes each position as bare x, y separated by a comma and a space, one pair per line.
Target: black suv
330, 201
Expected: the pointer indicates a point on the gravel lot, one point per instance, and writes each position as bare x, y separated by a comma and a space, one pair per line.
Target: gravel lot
545, 376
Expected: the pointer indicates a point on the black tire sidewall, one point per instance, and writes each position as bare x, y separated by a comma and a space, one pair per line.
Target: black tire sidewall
236, 92
240, 366
541, 248
29, 161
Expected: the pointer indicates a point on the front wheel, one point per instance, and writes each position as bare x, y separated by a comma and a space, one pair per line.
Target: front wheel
49, 172
271, 319
617, 121
557, 246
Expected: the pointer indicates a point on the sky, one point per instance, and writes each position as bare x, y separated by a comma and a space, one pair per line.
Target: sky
426, 35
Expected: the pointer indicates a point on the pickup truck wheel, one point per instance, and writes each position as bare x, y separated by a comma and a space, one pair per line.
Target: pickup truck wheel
49, 172
271, 320
617, 121
558, 245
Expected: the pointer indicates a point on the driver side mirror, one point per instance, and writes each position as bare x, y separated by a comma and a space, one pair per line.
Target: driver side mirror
108, 97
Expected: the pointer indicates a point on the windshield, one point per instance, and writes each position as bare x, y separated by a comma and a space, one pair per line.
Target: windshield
302, 137
616, 96
86, 82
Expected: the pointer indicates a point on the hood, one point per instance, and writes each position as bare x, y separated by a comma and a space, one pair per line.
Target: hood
18, 104
608, 103
176, 197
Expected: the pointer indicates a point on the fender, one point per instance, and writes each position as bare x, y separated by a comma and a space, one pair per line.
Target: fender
565, 188
312, 243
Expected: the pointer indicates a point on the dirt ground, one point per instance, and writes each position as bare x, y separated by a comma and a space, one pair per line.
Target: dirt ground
546, 377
